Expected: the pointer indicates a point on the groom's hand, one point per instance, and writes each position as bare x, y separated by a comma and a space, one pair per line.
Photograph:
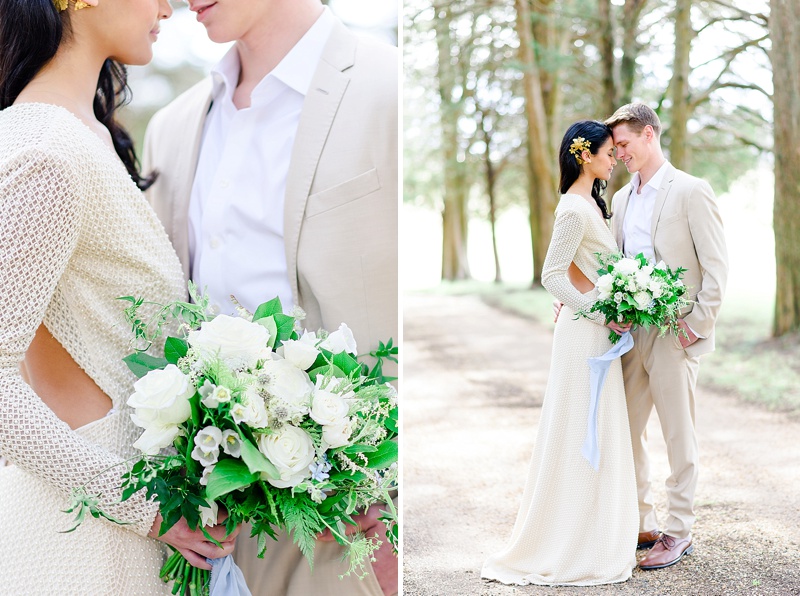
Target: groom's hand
556, 310
689, 338
385, 564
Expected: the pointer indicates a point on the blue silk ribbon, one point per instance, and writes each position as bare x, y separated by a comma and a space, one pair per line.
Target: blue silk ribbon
226, 578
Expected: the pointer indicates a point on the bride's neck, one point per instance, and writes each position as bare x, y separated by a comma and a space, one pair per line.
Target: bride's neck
582, 186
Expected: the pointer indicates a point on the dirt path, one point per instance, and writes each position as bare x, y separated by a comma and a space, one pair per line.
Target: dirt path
474, 379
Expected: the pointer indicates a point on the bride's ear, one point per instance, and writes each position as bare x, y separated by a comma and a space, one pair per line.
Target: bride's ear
586, 156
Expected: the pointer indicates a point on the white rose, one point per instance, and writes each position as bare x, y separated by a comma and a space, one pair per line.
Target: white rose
661, 265
642, 279
288, 384
338, 435
605, 283
603, 295
301, 352
161, 403
328, 407
656, 287
626, 266
642, 300
208, 515
291, 451
238, 343
341, 340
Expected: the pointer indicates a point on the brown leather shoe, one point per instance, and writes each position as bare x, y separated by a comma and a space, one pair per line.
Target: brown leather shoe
647, 539
667, 551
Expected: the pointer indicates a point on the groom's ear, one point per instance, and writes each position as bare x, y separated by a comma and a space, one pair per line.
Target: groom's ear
648, 132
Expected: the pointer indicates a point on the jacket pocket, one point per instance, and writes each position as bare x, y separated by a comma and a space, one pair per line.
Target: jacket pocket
343, 193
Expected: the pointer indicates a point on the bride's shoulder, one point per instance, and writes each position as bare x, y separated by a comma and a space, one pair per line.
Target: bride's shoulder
36, 130
571, 203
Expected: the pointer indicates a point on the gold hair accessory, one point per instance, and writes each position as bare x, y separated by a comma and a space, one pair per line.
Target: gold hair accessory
79, 4
579, 145
63, 4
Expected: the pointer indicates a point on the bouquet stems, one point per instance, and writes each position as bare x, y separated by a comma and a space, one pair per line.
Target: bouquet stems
187, 579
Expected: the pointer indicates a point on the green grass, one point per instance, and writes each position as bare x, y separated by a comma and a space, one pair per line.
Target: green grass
747, 363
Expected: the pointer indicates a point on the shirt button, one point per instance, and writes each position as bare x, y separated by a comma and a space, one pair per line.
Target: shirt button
224, 184
215, 242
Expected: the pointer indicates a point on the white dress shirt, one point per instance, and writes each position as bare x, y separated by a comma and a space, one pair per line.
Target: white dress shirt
236, 243
636, 237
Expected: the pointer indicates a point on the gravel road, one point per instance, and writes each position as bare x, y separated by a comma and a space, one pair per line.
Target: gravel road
474, 379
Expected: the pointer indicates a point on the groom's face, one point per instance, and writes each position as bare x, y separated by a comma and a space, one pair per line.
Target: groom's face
229, 20
633, 148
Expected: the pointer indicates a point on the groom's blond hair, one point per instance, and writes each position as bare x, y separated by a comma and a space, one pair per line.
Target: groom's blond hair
637, 116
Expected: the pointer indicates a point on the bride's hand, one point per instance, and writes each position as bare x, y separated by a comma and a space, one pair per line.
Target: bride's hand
193, 544
619, 328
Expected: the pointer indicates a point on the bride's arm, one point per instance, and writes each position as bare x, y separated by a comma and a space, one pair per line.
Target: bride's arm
40, 219
568, 231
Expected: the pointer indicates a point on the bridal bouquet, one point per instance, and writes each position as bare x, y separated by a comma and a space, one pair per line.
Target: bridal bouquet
634, 290
284, 428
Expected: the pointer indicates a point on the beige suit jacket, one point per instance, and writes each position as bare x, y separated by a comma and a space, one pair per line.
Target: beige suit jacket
341, 203
687, 232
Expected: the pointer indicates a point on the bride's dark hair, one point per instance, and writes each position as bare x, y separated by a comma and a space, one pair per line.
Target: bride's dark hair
596, 133
31, 32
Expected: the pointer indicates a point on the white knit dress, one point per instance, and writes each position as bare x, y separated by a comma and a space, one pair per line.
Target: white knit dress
75, 234
575, 526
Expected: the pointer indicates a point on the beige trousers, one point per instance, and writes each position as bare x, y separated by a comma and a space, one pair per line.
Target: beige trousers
284, 571
658, 372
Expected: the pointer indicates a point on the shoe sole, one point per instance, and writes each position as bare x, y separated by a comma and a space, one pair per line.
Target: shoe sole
688, 551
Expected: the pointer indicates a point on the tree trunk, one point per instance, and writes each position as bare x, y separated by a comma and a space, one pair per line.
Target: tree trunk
785, 58
454, 214
607, 46
542, 194
491, 178
679, 85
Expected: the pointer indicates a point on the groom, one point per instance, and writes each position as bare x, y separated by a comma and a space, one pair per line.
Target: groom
278, 176
669, 216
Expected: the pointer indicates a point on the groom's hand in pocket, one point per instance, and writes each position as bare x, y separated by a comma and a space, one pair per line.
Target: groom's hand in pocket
686, 336
193, 544
385, 564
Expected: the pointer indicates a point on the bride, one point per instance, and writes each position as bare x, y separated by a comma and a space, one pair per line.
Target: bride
577, 526
75, 233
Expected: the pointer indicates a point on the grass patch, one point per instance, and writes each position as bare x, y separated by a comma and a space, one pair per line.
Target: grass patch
747, 361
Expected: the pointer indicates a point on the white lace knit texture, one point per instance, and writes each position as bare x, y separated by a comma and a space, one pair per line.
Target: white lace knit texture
75, 234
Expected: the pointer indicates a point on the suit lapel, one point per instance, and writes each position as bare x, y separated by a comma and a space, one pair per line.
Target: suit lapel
319, 108
661, 198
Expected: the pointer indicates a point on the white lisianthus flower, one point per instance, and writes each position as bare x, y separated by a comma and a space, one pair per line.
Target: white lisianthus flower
239, 413
626, 266
648, 269
208, 515
656, 288
206, 458
231, 443
631, 286
206, 473
337, 435
642, 300
301, 352
618, 297
161, 403
661, 265
605, 283
291, 451
328, 407
255, 412
341, 340
289, 384
238, 343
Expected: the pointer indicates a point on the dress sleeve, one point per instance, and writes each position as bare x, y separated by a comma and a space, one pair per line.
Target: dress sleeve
40, 221
568, 231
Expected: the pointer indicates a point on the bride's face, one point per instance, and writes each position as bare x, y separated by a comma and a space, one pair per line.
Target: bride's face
601, 164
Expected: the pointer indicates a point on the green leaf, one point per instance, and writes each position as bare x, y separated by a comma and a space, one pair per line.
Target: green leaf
325, 369
268, 309
228, 475
391, 421
256, 461
352, 476
269, 324
385, 456
141, 363
285, 325
360, 449
174, 349
346, 363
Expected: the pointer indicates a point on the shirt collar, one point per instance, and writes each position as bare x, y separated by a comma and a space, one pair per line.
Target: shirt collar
295, 70
654, 182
